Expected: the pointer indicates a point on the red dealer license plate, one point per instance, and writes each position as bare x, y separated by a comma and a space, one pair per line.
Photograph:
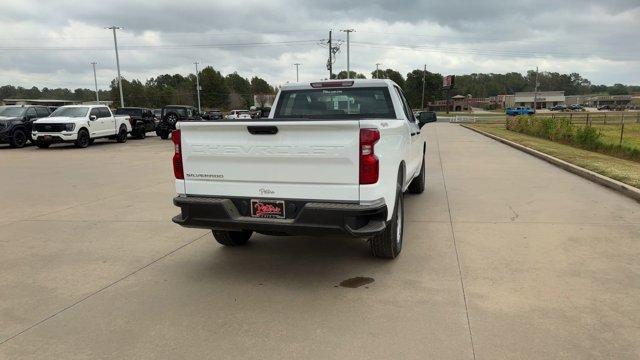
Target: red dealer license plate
273, 209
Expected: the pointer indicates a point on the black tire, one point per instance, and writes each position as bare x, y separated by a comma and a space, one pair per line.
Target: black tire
42, 144
232, 238
141, 134
172, 118
18, 139
164, 135
122, 134
83, 139
91, 141
417, 184
388, 244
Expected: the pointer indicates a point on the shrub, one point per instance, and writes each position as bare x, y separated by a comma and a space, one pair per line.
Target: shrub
588, 138
561, 130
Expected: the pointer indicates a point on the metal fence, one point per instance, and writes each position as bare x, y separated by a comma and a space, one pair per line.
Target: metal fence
615, 122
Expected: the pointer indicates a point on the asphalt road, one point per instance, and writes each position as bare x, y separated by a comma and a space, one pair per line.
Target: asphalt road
505, 257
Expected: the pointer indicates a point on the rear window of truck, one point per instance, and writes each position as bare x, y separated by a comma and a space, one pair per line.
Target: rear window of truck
336, 103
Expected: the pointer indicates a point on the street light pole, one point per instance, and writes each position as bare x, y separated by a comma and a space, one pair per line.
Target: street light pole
348, 31
115, 42
297, 74
424, 74
95, 82
378, 70
198, 85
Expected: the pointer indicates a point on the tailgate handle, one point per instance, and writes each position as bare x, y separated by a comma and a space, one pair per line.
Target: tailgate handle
263, 130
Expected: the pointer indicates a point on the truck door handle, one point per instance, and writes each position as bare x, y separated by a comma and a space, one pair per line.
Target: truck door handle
263, 130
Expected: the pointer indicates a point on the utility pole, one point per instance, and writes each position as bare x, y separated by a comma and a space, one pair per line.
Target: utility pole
95, 82
330, 62
115, 42
424, 75
535, 94
348, 31
198, 86
297, 74
378, 70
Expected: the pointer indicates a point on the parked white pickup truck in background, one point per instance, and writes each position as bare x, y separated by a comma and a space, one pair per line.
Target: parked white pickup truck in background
334, 157
80, 124
238, 114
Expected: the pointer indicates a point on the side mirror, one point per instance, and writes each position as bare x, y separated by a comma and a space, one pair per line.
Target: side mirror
92, 117
426, 117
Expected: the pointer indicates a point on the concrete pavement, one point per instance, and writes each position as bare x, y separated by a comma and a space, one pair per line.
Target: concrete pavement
505, 256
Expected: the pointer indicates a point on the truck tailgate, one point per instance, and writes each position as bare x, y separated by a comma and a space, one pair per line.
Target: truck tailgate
303, 159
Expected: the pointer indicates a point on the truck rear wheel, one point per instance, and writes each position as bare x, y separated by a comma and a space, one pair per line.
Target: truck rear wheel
232, 238
122, 134
388, 244
163, 135
417, 184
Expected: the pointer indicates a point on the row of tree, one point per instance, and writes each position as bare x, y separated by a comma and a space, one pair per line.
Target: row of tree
235, 91
217, 91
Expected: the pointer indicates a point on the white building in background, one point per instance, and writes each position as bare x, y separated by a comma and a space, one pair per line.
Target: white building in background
543, 99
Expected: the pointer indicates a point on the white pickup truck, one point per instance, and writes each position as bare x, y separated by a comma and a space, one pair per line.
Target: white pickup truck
80, 124
334, 157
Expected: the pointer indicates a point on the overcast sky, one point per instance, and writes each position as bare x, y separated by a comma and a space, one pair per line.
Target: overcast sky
52, 43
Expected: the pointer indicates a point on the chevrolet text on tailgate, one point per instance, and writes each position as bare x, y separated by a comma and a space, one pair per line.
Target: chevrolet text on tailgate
333, 157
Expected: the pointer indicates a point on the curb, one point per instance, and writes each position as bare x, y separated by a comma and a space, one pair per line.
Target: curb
616, 185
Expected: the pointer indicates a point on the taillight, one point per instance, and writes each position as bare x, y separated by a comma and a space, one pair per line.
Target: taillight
369, 164
178, 171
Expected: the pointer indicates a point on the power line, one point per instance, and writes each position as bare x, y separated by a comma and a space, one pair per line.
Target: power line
137, 47
487, 52
161, 35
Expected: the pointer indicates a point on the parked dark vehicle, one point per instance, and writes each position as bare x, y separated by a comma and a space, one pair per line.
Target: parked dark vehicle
171, 114
141, 119
558, 108
16, 123
426, 116
576, 107
604, 107
212, 115
263, 112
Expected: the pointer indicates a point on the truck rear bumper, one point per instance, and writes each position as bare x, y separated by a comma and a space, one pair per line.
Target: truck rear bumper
308, 218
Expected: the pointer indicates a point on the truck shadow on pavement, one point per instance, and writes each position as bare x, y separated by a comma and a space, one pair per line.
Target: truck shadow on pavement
289, 261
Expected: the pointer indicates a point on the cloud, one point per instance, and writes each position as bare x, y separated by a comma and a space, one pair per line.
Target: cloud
54, 45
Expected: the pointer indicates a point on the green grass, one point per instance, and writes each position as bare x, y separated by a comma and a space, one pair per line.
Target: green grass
622, 170
611, 134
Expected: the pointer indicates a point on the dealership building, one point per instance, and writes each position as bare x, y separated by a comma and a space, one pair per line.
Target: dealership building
543, 99
599, 100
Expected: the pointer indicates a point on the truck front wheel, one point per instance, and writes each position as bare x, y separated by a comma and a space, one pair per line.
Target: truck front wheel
18, 139
83, 139
388, 244
232, 238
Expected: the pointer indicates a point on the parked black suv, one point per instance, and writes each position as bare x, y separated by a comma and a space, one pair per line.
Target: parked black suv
142, 120
171, 114
16, 122
212, 115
